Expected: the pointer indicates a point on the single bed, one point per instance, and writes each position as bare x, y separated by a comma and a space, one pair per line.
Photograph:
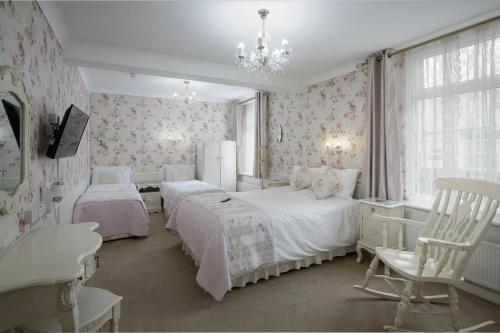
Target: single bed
287, 230
173, 191
117, 207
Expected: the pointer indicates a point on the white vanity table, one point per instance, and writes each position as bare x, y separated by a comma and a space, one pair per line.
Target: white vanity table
42, 282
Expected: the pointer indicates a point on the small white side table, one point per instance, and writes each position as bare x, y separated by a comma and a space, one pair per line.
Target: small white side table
371, 230
150, 194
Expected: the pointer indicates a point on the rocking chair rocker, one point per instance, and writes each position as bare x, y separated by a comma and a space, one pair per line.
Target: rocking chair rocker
443, 249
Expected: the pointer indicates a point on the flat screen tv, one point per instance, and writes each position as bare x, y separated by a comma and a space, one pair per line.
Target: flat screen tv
14, 116
68, 134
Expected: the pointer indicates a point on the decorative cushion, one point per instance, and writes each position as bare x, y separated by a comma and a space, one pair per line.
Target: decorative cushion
348, 179
181, 172
325, 184
300, 179
109, 178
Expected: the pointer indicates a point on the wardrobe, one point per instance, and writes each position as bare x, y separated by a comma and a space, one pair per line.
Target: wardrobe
216, 163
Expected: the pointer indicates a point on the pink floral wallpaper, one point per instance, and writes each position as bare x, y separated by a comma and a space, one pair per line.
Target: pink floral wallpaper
330, 111
146, 133
28, 43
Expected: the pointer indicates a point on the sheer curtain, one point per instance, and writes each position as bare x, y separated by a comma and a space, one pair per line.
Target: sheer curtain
453, 110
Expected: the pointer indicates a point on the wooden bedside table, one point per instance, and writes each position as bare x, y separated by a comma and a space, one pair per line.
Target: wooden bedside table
275, 182
371, 230
150, 194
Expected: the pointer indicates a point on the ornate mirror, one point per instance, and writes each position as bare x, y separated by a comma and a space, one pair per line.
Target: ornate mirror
14, 140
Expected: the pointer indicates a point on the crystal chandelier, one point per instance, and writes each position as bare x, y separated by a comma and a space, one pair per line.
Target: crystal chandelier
262, 60
188, 96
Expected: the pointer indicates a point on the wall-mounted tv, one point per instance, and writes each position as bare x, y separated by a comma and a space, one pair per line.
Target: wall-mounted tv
69, 133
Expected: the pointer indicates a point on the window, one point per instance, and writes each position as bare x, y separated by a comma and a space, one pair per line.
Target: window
453, 111
245, 137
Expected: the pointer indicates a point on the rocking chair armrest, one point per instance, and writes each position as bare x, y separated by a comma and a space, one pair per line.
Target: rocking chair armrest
443, 243
382, 218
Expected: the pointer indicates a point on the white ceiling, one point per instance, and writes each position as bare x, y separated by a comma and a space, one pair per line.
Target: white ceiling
198, 39
114, 82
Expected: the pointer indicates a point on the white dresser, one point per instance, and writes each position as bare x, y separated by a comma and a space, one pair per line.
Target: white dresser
371, 230
44, 278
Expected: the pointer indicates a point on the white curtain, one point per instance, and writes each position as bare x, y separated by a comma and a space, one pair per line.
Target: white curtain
453, 110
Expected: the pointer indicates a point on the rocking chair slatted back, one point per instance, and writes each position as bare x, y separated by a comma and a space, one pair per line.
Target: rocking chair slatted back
475, 205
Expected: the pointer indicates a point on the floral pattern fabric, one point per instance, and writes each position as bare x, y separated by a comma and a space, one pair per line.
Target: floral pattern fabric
300, 179
147, 133
326, 183
28, 43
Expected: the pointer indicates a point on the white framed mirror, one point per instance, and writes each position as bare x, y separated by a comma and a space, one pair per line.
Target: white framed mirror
14, 140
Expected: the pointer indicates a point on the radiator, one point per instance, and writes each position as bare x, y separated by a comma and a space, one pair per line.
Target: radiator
484, 266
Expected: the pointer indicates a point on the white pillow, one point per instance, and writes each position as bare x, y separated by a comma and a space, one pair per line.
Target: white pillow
325, 183
175, 173
112, 177
348, 179
300, 179
124, 172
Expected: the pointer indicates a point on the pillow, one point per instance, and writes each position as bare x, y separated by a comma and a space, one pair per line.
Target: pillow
175, 173
300, 179
348, 179
124, 172
313, 171
325, 183
109, 177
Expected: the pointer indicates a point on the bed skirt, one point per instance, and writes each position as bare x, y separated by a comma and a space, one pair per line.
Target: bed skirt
282, 267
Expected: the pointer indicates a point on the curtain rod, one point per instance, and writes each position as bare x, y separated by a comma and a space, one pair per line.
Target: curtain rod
444, 36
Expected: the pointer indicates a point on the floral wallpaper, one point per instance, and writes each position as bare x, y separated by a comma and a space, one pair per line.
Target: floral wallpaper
146, 133
28, 43
328, 112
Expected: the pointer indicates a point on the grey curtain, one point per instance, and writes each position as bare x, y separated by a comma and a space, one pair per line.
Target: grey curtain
261, 106
382, 174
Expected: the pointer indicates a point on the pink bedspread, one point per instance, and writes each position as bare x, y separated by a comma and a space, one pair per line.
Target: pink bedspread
119, 210
201, 232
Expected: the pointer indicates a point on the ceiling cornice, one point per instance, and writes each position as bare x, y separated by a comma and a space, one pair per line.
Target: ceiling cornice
56, 22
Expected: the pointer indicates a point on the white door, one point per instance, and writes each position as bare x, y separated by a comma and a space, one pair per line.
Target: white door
228, 166
212, 162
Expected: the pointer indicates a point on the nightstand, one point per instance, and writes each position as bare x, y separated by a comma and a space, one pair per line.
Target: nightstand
275, 182
371, 230
150, 194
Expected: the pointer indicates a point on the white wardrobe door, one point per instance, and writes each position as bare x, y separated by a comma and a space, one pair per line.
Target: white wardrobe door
212, 163
228, 166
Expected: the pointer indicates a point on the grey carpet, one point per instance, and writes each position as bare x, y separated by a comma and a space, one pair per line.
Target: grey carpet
157, 282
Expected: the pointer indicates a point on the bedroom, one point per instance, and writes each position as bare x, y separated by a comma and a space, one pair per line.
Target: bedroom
156, 176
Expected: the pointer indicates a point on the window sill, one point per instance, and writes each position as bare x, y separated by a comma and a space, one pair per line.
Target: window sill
426, 207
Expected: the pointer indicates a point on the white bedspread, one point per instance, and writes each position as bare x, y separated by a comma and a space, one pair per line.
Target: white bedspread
302, 227
170, 191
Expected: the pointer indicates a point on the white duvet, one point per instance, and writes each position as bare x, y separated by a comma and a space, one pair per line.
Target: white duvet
302, 227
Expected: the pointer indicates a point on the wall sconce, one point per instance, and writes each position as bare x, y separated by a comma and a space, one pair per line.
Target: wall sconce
334, 148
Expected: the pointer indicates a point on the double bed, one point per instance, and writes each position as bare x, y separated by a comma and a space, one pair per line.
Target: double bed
237, 238
117, 207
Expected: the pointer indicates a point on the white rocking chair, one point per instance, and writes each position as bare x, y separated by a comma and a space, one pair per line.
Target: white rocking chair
443, 249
